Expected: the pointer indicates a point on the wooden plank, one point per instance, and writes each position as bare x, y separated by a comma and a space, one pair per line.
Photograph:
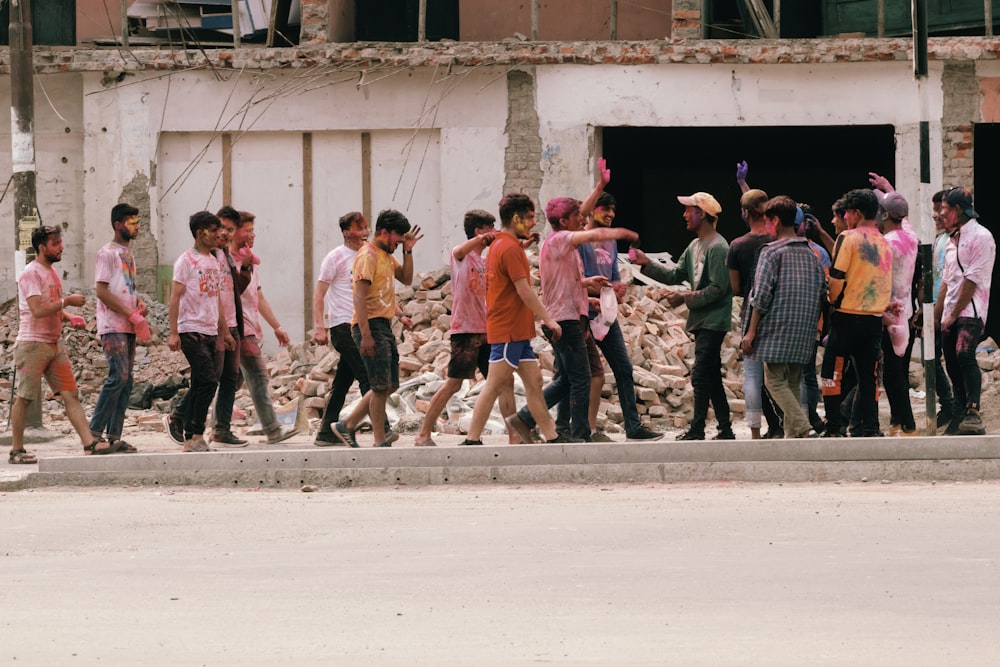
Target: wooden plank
227, 169
366, 175
307, 228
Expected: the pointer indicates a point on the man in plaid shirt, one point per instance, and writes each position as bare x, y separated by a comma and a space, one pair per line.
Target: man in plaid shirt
788, 287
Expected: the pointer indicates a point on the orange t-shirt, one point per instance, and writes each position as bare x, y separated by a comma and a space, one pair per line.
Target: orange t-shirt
507, 317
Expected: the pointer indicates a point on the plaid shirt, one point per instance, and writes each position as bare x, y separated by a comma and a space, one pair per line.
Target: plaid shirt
788, 286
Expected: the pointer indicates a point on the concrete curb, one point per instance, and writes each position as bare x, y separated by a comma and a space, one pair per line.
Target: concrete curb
816, 460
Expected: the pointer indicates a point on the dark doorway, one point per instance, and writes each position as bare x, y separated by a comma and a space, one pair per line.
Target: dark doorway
986, 143
397, 20
650, 166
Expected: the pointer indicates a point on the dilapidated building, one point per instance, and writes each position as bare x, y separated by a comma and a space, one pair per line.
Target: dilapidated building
499, 96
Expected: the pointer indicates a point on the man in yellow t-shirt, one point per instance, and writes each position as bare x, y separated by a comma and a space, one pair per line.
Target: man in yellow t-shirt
373, 274
860, 290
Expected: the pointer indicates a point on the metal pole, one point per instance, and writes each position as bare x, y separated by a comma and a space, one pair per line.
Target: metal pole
614, 19
422, 21
777, 17
22, 142
988, 15
880, 31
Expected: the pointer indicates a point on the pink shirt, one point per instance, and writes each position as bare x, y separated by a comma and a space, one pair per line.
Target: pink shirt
116, 268
903, 243
250, 298
37, 280
468, 290
561, 271
199, 307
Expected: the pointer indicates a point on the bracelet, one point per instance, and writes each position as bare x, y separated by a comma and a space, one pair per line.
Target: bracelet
407, 252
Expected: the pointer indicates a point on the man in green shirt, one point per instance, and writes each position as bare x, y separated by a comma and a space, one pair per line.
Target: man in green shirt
710, 308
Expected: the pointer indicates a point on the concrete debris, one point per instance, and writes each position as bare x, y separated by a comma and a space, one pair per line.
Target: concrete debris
660, 349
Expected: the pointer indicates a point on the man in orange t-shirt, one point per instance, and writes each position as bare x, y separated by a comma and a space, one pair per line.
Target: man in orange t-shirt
511, 308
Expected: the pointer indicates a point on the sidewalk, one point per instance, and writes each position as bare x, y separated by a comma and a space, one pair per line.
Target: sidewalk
297, 462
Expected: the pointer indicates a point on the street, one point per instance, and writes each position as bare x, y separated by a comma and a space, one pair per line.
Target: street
682, 574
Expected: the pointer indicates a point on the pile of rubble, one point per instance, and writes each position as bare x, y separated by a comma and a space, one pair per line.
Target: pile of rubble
660, 349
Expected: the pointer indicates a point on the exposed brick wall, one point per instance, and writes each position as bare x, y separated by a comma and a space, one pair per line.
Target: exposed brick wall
523, 157
961, 110
315, 18
687, 20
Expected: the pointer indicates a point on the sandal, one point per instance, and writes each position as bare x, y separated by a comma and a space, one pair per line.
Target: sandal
96, 449
124, 447
19, 456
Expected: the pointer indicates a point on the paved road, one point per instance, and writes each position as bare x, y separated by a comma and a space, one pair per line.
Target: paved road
687, 574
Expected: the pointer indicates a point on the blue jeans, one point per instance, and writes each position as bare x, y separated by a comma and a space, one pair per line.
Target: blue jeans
109, 413
753, 389
616, 354
254, 369
572, 378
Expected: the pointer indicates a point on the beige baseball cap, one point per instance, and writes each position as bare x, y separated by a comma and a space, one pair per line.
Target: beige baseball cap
704, 201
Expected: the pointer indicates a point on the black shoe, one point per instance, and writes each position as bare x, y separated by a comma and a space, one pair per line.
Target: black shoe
562, 438
725, 434
953, 425
384, 443
174, 429
471, 442
835, 432
774, 433
228, 438
818, 425
345, 435
643, 433
944, 418
691, 435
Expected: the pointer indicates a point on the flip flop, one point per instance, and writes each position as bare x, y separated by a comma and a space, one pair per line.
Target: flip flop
124, 447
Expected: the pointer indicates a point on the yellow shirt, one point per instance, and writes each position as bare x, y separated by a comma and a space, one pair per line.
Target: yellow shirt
861, 275
378, 268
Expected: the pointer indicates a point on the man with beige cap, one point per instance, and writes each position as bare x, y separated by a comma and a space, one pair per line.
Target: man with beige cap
710, 303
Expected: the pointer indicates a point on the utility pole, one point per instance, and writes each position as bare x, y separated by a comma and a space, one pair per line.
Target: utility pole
22, 149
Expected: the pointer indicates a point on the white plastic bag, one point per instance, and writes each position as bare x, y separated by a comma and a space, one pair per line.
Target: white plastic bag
602, 322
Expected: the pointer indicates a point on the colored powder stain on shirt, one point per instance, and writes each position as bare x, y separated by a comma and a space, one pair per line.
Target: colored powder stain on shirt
868, 252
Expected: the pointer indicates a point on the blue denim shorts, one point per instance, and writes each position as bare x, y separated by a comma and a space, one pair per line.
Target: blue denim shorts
513, 352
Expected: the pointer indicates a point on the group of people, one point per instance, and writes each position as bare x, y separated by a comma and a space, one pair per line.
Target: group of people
853, 292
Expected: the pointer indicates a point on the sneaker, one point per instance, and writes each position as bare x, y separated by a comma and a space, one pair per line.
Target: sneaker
426, 442
197, 444
326, 440
176, 432
691, 435
282, 434
944, 418
345, 435
774, 433
643, 433
725, 434
972, 424
384, 443
391, 436
517, 425
563, 438
954, 424
600, 436
228, 439
818, 425
470, 443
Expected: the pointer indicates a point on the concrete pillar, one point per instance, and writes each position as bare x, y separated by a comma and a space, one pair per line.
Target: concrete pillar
687, 20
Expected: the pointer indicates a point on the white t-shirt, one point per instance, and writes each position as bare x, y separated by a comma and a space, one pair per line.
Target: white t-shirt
226, 287
468, 289
338, 304
116, 268
199, 307
250, 298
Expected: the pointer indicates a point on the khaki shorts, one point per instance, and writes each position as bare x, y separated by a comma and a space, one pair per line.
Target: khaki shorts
34, 360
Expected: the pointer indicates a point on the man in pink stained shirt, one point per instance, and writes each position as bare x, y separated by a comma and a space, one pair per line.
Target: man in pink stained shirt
469, 349
564, 296
39, 348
